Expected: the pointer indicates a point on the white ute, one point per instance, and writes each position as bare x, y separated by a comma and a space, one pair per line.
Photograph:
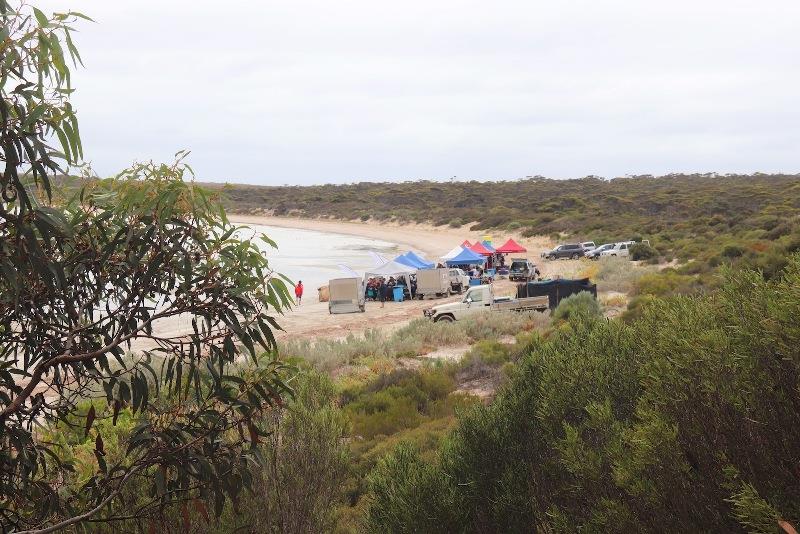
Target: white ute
480, 298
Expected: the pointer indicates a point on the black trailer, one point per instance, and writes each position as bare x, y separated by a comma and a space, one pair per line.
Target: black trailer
556, 290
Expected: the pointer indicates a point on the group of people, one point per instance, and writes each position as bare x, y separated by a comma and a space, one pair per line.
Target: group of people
381, 289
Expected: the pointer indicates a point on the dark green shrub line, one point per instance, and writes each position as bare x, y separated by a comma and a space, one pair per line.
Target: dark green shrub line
684, 420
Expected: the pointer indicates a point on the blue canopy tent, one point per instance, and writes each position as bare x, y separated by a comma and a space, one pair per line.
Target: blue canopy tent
466, 257
405, 260
424, 264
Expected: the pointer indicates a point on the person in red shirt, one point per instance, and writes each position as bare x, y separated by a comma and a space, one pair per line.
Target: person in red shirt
298, 291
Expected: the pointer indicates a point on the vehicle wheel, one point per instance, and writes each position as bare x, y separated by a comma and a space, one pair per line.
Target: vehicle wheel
362, 308
576, 256
444, 319
551, 257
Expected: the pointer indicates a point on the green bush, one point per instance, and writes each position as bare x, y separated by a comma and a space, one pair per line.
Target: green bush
490, 352
643, 427
732, 251
641, 251
580, 305
665, 283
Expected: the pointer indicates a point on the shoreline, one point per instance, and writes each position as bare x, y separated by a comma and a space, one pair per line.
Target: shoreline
404, 236
432, 241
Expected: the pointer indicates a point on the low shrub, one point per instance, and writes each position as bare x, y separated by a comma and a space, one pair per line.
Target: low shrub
618, 274
732, 251
489, 352
582, 304
641, 251
665, 283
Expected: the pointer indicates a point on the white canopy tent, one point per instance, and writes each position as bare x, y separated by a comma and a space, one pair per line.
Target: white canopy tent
453, 253
379, 259
348, 271
390, 268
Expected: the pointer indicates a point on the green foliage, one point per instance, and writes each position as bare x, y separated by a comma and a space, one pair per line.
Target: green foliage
399, 400
732, 251
665, 283
409, 495
489, 352
580, 305
90, 275
416, 338
753, 512
641, 427
641, 251
297, 487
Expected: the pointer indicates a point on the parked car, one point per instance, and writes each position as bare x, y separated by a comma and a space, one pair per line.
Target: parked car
595, 253
588, 246
481, 298
521, 269
619, 249
459, 280
572, 251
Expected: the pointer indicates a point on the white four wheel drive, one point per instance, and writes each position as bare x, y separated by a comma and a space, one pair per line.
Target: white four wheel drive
619, 249
480, 298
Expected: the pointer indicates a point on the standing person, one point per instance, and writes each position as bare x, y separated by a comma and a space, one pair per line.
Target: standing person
298, 291
382, 288
413, 287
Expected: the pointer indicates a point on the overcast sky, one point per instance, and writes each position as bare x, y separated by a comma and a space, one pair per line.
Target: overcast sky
301, 91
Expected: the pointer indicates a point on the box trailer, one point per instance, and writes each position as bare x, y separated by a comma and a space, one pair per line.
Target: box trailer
347, 295
433, 283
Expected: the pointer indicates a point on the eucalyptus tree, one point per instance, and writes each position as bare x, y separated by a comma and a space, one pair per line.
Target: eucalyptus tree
89, 282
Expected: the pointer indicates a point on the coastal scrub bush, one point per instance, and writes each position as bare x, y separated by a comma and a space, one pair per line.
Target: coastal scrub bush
643, 427
416, 338
307, 460
642, 251
582, 304
732, 251
665, 283
617, 274
489, 352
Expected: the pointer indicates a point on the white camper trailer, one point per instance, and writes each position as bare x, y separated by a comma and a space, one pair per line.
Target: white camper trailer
347, 295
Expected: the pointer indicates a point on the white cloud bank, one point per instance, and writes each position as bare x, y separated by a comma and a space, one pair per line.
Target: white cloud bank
335, 91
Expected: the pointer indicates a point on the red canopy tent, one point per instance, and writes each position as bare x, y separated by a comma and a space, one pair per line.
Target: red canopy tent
511, 247
466, 243
478, 248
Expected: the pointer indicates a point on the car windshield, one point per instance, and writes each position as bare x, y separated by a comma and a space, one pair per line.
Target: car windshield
607, 246
518, 265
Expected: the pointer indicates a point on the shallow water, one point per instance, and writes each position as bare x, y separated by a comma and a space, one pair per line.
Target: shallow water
314, 257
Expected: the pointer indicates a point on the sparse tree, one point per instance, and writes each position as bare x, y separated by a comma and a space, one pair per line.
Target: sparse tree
87, 283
